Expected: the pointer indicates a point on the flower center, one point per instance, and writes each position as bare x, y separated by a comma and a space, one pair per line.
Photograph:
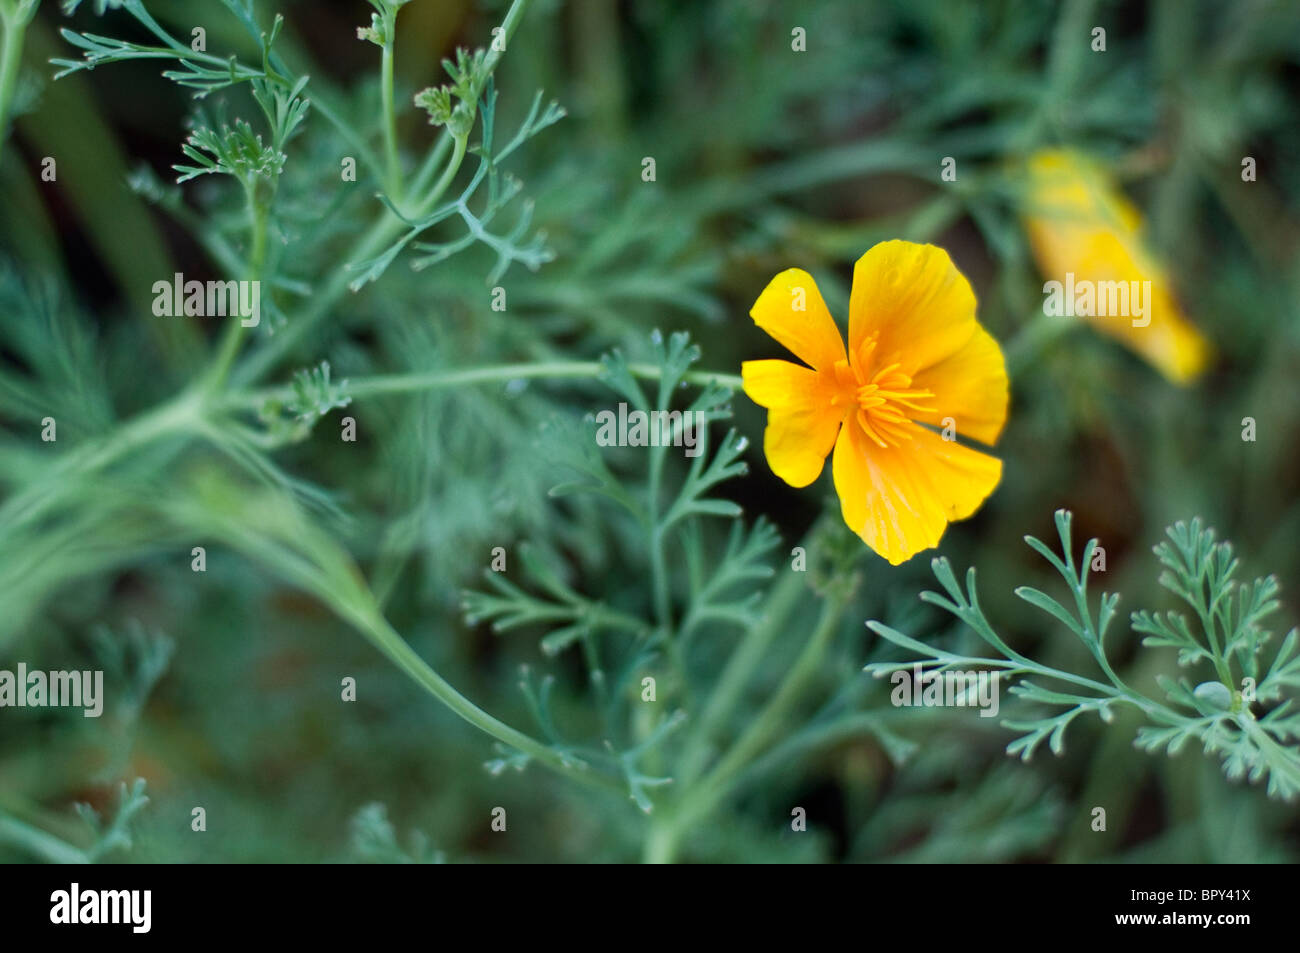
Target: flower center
884, 397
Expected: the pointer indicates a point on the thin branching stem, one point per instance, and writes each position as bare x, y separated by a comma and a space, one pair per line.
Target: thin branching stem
384, 230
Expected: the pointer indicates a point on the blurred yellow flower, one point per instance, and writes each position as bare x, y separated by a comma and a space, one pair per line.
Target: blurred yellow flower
1085, 234
916, 356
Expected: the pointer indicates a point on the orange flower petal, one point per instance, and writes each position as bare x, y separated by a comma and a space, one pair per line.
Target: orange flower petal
901, 499
970, 387
791, 309
801, 420
1079, 222
916, 304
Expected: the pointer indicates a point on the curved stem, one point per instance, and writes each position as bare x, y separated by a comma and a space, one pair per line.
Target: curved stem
459, 145
309, 558
176, 417
431, 163
382, 635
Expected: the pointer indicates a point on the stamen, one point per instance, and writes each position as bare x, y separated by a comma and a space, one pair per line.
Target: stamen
884, 401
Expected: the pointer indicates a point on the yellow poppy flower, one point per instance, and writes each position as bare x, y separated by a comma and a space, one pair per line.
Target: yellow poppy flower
1084, 233
917, 360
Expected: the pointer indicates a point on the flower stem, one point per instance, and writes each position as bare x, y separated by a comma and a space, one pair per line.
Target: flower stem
739, 669
176, 417
386, 228
15, 18
658, 531
39, 843
394, 165
448, 174
431, 163
259, 213
661, 840
382, 635
464, 377
508, 27
700, 799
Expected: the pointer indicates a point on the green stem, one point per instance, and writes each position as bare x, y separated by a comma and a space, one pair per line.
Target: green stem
464, 377
459, 146
387, 228
744, 660
431, 164
660, 842
1205, 613
384, 230
658, 565
259, 226
1080, 592
382, 635
508, 27
1104, 664
308, 557
177, 416
1019, 663
39, 843
659, 570
1280, 759
15, 20
699, 799
394, 165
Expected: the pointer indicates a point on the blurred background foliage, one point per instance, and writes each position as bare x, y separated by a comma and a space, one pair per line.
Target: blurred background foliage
224, 688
